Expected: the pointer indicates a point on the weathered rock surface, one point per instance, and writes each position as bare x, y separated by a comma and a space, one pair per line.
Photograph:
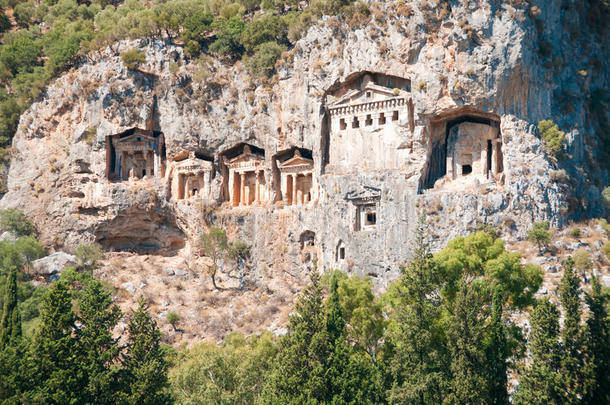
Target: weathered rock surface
478, 62
53, 264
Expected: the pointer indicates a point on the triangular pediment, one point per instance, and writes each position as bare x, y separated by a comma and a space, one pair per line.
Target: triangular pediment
364, 194
194, 162
369, 93
296, 161
134, 137
246, 157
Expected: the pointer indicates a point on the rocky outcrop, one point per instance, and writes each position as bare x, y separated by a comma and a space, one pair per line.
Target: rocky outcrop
52, 264
474, 65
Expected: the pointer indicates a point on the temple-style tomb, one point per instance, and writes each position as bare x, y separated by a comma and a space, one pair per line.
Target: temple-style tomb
296, 176
135, 154
191, 176
370, 117
246, 183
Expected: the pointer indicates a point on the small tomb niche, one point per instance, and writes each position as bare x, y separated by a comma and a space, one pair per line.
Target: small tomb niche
296, 176
466, 144
307, 240
135, 154
366, 202
244, 167
340, 252
191, 176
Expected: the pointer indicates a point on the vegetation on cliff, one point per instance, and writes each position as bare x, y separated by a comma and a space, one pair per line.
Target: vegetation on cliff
44, 39
442, 333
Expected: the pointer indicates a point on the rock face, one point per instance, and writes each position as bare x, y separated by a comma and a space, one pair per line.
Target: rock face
362, 130
53, 264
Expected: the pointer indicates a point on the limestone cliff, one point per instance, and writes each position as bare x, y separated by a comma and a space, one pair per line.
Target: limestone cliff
414, 111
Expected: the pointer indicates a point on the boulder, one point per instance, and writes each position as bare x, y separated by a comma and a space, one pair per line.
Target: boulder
53, 264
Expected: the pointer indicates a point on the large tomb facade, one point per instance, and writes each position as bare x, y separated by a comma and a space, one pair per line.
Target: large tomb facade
246, 177
296, 179
371, 118
473, 150
135, 154
191, 177
466, 149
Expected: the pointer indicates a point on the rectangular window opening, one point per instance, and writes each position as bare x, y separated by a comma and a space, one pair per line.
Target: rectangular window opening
395, 116
381, 119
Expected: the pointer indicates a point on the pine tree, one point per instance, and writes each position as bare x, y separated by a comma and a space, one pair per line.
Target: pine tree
572, 364
598, 343
56, 351
298, 375
542, 381
497, 353
466, 333
415, 367
351, 377
10, 324
99, 349
145, 366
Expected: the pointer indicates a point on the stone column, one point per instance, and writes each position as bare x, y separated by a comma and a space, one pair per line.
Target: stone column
124, 172
206, 184
484, 161
150, 160
294, 189
494, 159
450, 171
242, 190
284, 187
257, 187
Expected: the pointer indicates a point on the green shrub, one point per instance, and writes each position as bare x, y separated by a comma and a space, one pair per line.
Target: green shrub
173, 319
228, 39
268, 28
539, 234
605, 226
5, 23
15, 221
133, 58
575, 233
606, 250
553, 138
582, 260
606, 197
262, 63
88, 255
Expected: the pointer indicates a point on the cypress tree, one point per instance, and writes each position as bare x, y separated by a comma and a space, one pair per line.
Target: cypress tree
99, 349
497, 353
542, 381
465, 335
10, 324
298, 375
572, 364
58, 373
351, 377
415, 367
598, 343
145, 366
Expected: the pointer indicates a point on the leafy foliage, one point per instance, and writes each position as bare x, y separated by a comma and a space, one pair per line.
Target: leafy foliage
553, 138
12, 220
539, 234
133, 58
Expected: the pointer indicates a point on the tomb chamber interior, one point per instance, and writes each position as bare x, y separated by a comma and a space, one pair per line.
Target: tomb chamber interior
464, 147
